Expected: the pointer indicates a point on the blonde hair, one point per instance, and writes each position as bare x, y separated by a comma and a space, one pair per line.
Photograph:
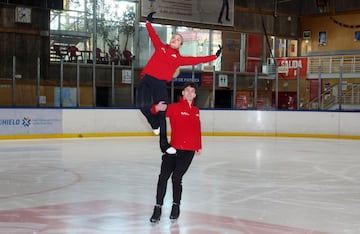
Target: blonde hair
182, 38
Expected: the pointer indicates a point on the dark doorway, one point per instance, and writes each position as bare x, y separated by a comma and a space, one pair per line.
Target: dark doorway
287, 100
102, 96
223, 98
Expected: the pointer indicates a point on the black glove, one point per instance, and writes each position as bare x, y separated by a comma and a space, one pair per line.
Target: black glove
150, 16
219, 51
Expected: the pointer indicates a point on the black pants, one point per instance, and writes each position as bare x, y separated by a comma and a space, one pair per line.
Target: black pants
152, 91
175, 165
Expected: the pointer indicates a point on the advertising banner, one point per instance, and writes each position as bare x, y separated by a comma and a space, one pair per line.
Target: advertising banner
220, 12
182, 78
30, 121
288, 67
207, 79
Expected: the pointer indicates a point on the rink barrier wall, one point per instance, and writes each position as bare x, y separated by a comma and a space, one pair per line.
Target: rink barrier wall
30, 123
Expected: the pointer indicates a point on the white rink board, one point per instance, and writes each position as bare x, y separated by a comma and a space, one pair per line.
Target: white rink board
308, 122
104, 120
132, 122
238, 121
220, 121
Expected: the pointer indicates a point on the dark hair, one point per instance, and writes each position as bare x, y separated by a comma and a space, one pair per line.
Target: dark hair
190, 84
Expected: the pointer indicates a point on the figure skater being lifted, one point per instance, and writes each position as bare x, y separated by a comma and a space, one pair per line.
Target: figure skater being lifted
158, 71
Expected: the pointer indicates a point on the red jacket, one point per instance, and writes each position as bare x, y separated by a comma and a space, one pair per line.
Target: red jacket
165, 60
185, 125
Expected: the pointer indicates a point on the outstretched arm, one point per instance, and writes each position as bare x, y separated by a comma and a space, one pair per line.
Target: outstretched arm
155, 39
190, 60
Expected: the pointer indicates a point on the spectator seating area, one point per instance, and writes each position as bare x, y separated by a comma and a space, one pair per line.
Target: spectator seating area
71, 53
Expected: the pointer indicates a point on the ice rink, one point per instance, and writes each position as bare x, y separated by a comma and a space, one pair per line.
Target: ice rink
264, 185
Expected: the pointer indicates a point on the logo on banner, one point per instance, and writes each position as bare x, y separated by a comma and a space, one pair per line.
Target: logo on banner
30, 121
26, 122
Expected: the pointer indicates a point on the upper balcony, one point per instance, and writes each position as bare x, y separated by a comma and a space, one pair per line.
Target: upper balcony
69, 27
346, 66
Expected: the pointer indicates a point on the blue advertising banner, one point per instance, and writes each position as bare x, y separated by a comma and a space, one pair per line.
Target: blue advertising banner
30, 121
186, 77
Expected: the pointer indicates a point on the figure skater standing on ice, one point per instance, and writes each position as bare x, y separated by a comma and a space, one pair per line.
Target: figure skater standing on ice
157, 73
186, 139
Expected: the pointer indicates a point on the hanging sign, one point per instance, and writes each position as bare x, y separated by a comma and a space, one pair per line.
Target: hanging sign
288, 68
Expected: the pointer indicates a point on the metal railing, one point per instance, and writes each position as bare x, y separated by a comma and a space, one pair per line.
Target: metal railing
343, 70
327, 64
69, 21
70, 27
331, 65
352, 96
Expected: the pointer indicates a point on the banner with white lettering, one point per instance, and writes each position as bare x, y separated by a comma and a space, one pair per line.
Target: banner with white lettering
30, 121
288, 68
183, 77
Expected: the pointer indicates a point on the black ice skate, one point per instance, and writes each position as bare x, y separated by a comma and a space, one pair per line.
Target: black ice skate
175, 212
156, 214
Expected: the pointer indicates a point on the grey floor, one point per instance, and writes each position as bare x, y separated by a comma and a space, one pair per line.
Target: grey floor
238, 185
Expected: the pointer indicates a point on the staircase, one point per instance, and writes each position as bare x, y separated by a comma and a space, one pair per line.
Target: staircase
330, 99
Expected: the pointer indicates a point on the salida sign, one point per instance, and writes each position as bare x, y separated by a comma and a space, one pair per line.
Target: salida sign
288, 68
